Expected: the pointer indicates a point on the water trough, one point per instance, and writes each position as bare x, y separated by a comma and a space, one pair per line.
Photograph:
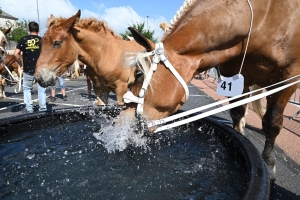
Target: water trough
56, 155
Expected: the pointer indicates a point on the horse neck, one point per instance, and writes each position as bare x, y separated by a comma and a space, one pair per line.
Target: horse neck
209, 26
94, 46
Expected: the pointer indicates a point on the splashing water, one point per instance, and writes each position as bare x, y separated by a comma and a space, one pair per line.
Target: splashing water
117, 138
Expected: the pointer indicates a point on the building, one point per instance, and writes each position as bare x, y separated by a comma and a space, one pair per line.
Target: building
6, 21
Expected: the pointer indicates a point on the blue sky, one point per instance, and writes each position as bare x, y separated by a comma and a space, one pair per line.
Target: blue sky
119, 14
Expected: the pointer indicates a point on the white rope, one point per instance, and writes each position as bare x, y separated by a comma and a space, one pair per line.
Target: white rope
189, 112
18, 86
19, 83
221, 109
250, 29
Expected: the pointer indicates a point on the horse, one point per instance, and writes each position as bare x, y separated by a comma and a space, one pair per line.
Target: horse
94, 44
11, 64
205, 34
3, 53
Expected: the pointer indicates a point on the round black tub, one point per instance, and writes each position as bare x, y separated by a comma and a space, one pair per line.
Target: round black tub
55, 155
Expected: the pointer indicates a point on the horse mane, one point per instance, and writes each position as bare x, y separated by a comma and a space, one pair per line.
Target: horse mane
2, 35
181, 12
91, 24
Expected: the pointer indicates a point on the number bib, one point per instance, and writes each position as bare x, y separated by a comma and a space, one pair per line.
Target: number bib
230, 86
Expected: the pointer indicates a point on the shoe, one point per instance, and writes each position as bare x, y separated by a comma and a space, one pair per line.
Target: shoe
27, 111
52, 99
42, 110
65, 98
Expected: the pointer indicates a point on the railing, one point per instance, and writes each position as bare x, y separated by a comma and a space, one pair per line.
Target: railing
294, 101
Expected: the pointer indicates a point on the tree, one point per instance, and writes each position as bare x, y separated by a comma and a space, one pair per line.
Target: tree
20, 30
141, 28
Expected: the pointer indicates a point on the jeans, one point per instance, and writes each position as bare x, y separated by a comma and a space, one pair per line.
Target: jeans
61, 83
28, 81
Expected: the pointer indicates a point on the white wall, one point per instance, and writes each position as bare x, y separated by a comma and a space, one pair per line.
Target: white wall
4, 20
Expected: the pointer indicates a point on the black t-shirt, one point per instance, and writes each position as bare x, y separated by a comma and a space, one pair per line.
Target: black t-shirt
30, 45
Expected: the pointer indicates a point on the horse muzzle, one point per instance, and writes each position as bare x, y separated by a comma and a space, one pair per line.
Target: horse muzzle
45, 78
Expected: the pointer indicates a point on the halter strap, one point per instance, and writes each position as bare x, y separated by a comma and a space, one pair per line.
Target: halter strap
158, 56
3, 49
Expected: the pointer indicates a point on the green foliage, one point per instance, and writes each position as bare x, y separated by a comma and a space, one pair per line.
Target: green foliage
141, 28
17, 34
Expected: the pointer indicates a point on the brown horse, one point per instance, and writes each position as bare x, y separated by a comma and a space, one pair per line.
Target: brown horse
205, 34
93, 43
3, 53
3, 42
11, 64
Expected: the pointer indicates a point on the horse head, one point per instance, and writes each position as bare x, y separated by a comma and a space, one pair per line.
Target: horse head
58, 50
166, 91
3, 42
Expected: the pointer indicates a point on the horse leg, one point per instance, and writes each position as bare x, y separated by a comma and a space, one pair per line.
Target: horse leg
272, 124
238, 114
102, 96
2, 91
120, 91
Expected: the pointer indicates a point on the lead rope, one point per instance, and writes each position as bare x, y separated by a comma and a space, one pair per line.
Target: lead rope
250, 30
248, 39
18, 87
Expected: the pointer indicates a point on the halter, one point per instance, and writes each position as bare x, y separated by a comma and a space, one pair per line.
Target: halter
3, 49
158, 56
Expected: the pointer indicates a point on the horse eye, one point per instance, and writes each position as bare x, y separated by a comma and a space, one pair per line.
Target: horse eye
57, 44
138, 74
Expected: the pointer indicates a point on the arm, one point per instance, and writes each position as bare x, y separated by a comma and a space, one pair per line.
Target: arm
18, 57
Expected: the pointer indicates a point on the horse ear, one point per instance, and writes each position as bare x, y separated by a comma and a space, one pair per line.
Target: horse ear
69, 23
142, 40
50, 21
6, 31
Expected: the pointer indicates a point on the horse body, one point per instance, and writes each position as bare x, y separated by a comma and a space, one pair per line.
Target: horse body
206, 34
12, 65
3, 53
93, 43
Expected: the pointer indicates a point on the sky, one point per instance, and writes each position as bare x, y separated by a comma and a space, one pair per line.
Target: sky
119, 14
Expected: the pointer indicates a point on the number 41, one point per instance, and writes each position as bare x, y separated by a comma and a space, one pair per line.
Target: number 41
224, 85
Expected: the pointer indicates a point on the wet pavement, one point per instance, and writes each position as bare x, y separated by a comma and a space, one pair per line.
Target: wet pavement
202, 92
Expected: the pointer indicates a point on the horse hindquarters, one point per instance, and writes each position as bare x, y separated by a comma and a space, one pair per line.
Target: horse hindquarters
272, 125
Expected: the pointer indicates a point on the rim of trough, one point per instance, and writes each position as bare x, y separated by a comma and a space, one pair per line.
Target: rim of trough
259, 182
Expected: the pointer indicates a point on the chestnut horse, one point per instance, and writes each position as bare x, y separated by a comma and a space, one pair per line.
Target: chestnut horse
94, 44
3, 53
205, 34
11, 64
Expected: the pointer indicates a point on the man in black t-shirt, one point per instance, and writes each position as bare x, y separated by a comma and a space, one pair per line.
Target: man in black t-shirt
30, 47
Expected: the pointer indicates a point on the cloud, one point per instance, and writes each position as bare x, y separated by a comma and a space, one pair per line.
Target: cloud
27, 10
118, 18
125, 17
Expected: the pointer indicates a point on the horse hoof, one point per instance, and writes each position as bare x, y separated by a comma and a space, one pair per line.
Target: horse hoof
272, 172
99, 103
121, 103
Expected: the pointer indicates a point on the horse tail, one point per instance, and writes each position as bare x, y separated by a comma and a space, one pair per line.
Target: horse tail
257, 107
76, 69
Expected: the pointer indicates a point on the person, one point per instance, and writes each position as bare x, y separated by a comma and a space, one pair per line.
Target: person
30, 47
62, 88
206, 74
88, 81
